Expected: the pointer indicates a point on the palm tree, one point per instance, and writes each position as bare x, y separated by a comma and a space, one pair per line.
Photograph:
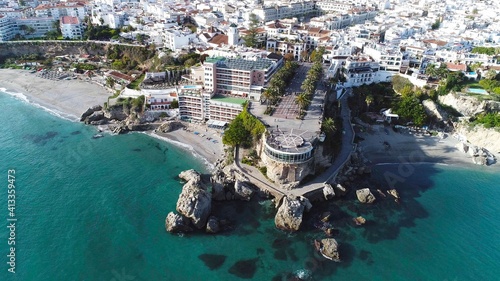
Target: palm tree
431, 70
303, 101
369, 100
328, 126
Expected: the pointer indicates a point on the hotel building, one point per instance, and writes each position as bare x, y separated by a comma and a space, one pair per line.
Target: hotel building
239, 77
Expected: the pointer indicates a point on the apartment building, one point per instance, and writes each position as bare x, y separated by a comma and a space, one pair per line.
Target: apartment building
40, 27
71, 27
359, 70
389, 58
58, 10
194, 103
8, 28
240, 77
267, 13
174, 39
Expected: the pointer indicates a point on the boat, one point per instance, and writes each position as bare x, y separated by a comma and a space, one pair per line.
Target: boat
96, 136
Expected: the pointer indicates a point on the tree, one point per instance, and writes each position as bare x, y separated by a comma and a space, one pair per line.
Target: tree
490, 75
174, 104
51, 35
251, 37
303, 101
431, 70
436, 24
288, 57
328, 125
110, 82
369, 101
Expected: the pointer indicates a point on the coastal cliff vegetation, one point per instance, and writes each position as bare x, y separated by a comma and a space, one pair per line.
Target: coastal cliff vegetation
244, 130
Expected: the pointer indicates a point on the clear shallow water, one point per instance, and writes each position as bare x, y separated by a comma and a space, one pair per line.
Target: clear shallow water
94, 210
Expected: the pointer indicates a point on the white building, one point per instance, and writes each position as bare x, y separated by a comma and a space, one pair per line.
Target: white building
61, 9
8, 28
71, 27
176, 39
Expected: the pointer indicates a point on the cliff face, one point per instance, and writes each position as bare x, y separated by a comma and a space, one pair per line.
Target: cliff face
480, 136
50, 49
467, 105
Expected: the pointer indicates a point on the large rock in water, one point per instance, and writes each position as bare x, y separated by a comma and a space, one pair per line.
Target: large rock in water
195, 203
213, 225
289, 215
242, 191
90, 111
365, 196
330, 249
190, 175
177, 223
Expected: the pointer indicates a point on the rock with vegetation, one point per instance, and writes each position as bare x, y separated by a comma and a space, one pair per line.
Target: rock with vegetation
433, 109
365, 196
469, 105
115, 113
195, 202
177, 223
290, 212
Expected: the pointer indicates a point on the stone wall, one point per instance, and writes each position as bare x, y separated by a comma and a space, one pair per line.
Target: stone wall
284, 173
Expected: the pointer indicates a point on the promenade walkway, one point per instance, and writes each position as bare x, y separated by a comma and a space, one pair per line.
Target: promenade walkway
347, 147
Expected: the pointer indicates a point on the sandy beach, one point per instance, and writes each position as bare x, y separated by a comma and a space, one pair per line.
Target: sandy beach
386, 146
70, 98
207, 149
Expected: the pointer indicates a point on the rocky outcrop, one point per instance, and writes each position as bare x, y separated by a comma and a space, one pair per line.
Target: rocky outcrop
169, 126
330, 249
116, 113
213, 225
467, 105
328, 191
462, 147
90, 111
290, 212
433, 109
242, 191
177, 223
365, 196
195, 203
394, 193
190, 175
340, 190
480, 136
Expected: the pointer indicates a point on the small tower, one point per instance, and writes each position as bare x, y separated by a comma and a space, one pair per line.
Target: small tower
233, 36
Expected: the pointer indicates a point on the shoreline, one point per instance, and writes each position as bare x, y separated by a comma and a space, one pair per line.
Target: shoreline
60, 98
380, 148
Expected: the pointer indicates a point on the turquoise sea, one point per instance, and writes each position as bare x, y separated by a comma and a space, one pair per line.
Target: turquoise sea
94, 209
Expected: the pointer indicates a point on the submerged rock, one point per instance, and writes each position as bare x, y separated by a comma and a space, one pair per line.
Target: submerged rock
365, 196
177, 223
244, 269
213, 261
289, 215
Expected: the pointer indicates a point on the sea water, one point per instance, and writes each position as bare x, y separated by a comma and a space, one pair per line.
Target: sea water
94, 209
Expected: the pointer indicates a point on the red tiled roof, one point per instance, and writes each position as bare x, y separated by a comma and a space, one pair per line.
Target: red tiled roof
219, 39
69, 20
121, 76
456, 67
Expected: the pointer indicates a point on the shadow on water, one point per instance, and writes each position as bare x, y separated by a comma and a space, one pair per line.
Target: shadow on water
213, 261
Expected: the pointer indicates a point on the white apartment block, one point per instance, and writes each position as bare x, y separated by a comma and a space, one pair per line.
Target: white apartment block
275, 12
61, 9
389, 58
176, 39
8, 28
40, 25
71, 27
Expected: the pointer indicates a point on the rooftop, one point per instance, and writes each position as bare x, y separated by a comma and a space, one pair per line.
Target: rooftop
69, 20
225, 99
